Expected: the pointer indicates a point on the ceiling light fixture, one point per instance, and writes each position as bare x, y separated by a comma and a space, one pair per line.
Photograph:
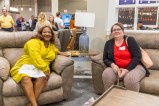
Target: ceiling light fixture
21, 6
30, 9
4, 7
12, 8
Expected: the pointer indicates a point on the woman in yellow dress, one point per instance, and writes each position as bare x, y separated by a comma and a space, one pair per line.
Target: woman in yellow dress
39, 51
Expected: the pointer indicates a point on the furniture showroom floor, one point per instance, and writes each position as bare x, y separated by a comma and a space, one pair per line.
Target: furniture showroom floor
82, 89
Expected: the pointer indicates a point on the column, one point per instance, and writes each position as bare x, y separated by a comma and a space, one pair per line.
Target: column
36, 7
97, 34
7, 4
54, 4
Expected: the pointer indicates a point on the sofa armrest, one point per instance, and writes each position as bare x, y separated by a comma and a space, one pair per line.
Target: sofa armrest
65, 67
67, 78
4, 68
1, 97
98, 67
60, 63
98, 59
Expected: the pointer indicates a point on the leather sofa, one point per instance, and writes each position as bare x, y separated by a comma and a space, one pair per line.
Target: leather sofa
64, 36
58, 87
149, 41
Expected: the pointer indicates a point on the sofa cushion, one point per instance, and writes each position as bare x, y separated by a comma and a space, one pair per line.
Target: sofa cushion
51, 96
4, 68
7, 39
45, 98
151, 84
57, 43
1, 54
54, 82
21, 38
60, 63
1, 98
151, 38
12, 54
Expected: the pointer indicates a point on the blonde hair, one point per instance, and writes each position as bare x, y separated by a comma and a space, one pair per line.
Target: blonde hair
42, 18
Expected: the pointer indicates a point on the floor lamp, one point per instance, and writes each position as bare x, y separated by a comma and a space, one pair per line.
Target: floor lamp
84, 20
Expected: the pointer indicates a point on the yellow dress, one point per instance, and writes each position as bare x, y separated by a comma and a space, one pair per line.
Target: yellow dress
35, 54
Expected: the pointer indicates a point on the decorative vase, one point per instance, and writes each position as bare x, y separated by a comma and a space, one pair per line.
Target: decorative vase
84, 42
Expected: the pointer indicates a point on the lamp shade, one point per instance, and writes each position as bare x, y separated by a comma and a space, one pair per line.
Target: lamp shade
84, 19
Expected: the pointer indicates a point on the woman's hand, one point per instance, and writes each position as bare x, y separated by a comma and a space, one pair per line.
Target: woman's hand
115, 68
47, 73
63, 53
123, 72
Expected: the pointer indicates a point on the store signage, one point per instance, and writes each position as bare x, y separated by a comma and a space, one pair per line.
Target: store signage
122, 2
147, 1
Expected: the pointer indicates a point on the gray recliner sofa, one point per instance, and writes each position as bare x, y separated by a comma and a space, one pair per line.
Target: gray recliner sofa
64, 36
58, 87
149, 41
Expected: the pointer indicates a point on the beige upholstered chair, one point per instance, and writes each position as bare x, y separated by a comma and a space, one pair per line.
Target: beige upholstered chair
149, 41
11, 94
64, 36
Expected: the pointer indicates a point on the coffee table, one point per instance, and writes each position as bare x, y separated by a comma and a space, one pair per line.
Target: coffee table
118, 96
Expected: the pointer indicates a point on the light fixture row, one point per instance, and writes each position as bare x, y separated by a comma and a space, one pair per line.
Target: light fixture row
16, 9
30, 9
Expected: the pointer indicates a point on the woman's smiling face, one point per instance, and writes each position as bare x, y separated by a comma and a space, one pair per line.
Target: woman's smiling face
117, 31
46, 34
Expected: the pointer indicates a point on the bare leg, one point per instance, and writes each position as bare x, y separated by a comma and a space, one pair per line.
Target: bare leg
27, 86
39, 85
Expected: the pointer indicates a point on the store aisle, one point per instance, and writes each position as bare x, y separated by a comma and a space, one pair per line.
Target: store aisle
82, 91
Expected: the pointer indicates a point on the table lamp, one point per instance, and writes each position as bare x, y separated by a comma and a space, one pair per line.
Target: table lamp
84, 20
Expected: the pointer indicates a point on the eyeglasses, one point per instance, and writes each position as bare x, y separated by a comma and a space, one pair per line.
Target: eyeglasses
114, 30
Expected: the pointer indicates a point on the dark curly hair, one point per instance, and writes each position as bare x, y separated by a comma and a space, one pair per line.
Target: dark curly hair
39, 34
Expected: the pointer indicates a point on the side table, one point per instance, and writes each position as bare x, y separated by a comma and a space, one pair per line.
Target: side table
82, 64
118, 96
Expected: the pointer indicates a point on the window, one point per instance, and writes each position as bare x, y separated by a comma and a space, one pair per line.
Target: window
128, 12
126, 17
148, 15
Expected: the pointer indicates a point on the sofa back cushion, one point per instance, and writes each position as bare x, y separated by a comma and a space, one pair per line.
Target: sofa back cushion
18, 39
150, 43
12, 54
12, 43
4, 68
14, 39
64, 37
54, 82
1, 54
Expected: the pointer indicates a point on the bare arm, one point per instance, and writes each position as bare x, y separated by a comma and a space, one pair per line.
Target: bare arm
63, 53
